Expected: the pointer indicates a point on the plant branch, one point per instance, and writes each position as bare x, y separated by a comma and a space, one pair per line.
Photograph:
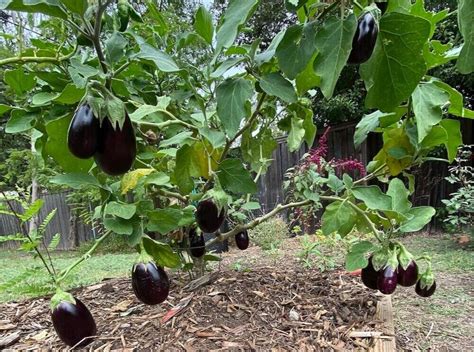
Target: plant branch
255, 222
36, 59
96, 38
23, 229
328, 9
166, 193
371, 175
63, 274
174, 121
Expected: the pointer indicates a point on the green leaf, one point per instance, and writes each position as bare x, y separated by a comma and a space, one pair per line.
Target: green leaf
307, 79
235, 178
232, 95
43, 98
54, 242
162, 253
258, 155
251, 206
5, 108
397, 64
157, 179
456, 101
334, 43
296, 49
369, 123
276, 85
182, 171
121, 210
215, 137
338, 217
399, 194
163, 61
465, 62
169, 219
56, 147
428, 100
357, 256
75, 180
203, 24
225, 66
373, 197
20, 121
70, 95
236, 15
47, 7
115, 47
119, 226
420, 217
453, 131
296, 135
76, 6
32, 210
19, 81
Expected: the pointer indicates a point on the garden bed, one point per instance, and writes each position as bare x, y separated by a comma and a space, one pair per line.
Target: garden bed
267, 307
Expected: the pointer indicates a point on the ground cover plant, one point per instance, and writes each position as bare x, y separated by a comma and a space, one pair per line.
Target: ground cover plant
148, 110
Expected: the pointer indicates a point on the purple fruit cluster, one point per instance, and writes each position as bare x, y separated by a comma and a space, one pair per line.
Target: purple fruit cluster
387, 279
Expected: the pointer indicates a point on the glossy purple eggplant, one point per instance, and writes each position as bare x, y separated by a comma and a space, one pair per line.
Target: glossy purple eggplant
387, 280
197, 244
150, 283
369, 276
74, 323
407, 277
83, 133
363, 43
117, 148
425, 291
242, 240
208, 218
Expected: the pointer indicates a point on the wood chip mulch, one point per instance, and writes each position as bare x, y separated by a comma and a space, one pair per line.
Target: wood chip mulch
267, 308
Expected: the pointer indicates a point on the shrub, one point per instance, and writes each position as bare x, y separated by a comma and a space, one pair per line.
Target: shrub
269, 234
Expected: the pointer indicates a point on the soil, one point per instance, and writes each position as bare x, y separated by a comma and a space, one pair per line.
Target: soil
263, 303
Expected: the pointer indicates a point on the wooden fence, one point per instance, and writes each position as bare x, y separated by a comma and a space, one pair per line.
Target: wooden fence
73, 232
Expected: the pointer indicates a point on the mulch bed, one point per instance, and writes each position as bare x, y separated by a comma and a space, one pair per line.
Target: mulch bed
268, 308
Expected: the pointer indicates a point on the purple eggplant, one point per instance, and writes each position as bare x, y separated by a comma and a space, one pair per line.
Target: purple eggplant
150, 283
364, 40
369, 276
382, 6
83, 133
208, 217
425, 291
387, 280
407, 277
242, 240
74, 323
197, 244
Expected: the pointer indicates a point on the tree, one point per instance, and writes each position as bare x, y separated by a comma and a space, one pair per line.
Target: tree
204, 94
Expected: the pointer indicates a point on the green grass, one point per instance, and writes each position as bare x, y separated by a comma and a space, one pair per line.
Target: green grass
22, 276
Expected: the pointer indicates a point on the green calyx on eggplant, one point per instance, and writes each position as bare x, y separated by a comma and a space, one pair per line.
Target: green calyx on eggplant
364, 40
369, 275
83, 133
242, 240
208, 216
196, 243
117, 147
73, 322
150, 283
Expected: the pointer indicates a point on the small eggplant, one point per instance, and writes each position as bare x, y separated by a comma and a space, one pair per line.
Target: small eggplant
150, 283
363, 43
242, 240
197, 244
208, 217
74, 323
369, 275
387, 280
407, 277
423, 290
82, 136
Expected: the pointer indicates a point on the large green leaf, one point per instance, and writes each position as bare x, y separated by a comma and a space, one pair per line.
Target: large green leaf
370, 122
456, 101
297, 133
115, 48
296, 49
21, 121
397, 64
162, 253
453, 131
399, 194
76, 6
334, 44
162, 60
420, 217
236, 15
232, 95
47, 7
203, 24
57, 147
182, 171
169, 219
428, 100
119, 226
75, 180
465, 62
70, 95
121, 210
275, 84
19, 81
235, 178
373, 197
338, 217
356, 258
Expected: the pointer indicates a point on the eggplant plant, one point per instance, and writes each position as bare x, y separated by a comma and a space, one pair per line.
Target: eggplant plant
144, 72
